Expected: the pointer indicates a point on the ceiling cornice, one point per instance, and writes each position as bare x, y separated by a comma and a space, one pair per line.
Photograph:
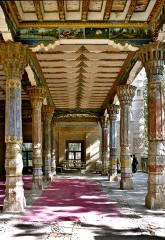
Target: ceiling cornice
155, 12
35, 66
121, 78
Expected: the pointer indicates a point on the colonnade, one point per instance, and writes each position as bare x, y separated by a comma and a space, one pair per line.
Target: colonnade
125, 95
153, 57
14, 58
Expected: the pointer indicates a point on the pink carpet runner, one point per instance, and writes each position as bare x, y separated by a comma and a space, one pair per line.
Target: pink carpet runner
27, 179
70, 200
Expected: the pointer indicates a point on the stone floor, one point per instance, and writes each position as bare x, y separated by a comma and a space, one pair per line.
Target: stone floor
137, 221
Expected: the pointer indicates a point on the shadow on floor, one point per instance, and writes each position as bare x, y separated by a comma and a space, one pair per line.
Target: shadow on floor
30, 230
102, 232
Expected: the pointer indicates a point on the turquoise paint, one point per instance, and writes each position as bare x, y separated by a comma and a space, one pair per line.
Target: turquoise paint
12, 112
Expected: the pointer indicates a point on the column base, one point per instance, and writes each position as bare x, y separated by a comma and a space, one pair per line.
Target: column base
37, 182
113, 178
53, 172
14, 200
155, 202
14, 194
104, 174
48, 177
126, 183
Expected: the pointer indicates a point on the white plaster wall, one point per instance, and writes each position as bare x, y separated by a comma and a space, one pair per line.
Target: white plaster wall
90, 133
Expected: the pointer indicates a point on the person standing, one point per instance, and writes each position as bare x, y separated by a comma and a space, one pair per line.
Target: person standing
134, 164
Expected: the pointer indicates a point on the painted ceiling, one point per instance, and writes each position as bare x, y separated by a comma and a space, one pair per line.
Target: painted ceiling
81, 76
82, 49
26, 12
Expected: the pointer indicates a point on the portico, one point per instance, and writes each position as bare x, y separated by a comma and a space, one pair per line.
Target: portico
67, 68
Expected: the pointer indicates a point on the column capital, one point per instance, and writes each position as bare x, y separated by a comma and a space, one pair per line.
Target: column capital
36, 94
152, 57
47, 112
54, 120
125, 94
103, 121
14, 57
113, 110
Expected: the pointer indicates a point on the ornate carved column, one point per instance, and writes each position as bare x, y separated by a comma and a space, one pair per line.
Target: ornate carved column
14, 57
47, 113
53, 162
152, 57
125, 95
36, 94
105, 155
113, 110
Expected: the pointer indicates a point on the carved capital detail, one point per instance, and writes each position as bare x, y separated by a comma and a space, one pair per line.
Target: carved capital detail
14, 57
152, 56
47, 113
103, 122
54, 121
36, 94
125, 94
113, 110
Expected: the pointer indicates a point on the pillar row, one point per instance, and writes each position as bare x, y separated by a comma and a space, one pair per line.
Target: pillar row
105, 152
53, 150
113, 110
125, 95
47, 114
152, 57
14, 57
36, 94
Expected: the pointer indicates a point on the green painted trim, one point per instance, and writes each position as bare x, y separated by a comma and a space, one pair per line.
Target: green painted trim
39, 80
91, 111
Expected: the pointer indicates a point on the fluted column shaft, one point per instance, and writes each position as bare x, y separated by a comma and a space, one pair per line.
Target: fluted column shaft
105, 155
53, 156
113, 110
14, 58
125, 94
47, 117
36, 94
152, 57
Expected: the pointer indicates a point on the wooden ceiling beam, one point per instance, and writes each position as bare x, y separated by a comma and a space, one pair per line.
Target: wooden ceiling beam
112, 91
108, 8
38, 10
85, 8
61, 9
15, 10
131, 9
158, 5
